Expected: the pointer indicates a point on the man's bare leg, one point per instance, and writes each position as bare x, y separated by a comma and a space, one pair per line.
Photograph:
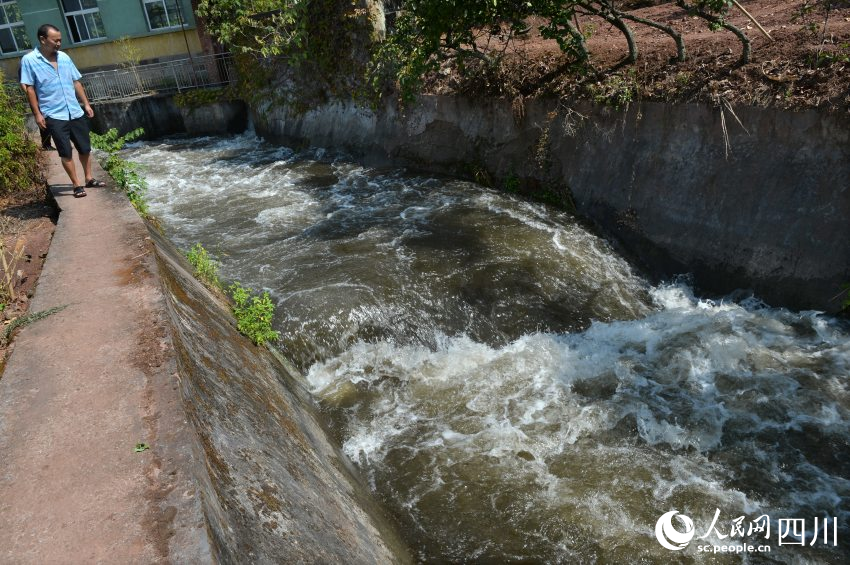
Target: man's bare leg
85, 161
68, 165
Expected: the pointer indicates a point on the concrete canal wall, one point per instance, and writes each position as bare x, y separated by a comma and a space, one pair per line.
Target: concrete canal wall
764, 207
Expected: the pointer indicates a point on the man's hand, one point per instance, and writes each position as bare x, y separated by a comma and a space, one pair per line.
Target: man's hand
33, 100
84, 100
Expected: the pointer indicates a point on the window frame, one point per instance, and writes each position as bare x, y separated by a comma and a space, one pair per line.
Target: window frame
10, 26
164, 5
72, 14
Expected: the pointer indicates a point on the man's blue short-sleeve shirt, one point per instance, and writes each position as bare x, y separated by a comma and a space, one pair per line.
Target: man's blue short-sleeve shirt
54, 88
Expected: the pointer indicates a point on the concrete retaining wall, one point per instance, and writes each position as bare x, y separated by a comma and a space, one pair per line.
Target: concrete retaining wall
765, 208
769, 212
160, 116
274, 488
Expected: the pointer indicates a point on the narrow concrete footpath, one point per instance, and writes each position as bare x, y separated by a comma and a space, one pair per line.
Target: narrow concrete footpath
82, 388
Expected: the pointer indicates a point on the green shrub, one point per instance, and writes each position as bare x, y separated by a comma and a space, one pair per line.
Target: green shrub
193, 99
126, 174
19, 168
254, 314
111, 143
206, 268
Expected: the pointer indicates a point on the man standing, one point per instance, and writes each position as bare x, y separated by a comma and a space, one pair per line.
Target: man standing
53, 87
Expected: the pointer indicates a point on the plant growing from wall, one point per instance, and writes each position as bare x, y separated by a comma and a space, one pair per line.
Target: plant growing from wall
127, 175
206, 268
193, 99
254, 313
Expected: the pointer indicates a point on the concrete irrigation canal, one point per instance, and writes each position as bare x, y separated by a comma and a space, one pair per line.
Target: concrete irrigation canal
507, 386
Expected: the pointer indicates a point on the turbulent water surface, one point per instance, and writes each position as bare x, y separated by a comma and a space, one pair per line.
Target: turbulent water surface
509, 387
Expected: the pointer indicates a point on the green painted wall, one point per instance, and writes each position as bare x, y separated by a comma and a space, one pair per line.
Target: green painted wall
120, 18
127, 17
37, 12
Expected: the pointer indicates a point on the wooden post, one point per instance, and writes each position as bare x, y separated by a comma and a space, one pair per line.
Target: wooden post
752, 19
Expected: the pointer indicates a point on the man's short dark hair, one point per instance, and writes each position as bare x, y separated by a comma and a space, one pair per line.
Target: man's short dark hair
45, 28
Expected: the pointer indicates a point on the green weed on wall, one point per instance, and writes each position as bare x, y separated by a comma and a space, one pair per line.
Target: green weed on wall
126, 174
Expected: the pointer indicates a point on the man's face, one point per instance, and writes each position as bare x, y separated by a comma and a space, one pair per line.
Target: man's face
52, 42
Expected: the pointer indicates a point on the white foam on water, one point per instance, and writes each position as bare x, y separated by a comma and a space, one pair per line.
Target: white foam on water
555, 397
298, 209
563, 441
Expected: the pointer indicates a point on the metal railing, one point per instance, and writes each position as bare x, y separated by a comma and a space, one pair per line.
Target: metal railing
170, 76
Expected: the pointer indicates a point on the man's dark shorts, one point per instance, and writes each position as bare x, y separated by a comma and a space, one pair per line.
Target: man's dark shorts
66, 131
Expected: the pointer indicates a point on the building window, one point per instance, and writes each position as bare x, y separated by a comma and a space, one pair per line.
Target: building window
13, 36
83, 17
162, 14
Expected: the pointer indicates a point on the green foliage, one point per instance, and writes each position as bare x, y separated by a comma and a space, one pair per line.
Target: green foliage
254, 314
193, 99
512, 183
111, 142
846, 303
18, 154
131, 54
616, 91
263, 27
329, 40
325, 40
825, 58
718, 7
126, 175
206, 268
429, 31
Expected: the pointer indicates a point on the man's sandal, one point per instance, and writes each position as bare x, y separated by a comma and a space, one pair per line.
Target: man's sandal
94, 183
79, 192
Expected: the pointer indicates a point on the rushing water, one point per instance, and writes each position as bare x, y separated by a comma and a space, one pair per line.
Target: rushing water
509, 387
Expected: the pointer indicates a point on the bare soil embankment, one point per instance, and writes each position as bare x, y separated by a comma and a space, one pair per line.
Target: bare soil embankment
27, 222
805, 65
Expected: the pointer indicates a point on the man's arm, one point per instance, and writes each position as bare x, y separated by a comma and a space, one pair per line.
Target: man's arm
27, 80
33, 100
81, 95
